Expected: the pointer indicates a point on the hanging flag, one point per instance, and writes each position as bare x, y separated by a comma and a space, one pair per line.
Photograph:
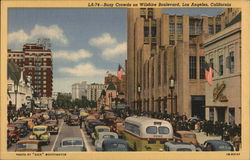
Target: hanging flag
208, 73
119, 72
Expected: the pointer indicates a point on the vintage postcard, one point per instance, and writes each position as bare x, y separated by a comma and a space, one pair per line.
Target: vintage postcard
124, 79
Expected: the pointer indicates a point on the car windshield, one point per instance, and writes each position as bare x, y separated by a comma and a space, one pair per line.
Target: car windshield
163, 130
51, 122
103, 130
11, 128
224, 147
117, 145
188, 136
74, 117
72, 142
151, 130
108, 136
27, 146
39, 129
110, 114
183, 149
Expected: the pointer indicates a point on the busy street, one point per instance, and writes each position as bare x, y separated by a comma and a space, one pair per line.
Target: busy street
83, 125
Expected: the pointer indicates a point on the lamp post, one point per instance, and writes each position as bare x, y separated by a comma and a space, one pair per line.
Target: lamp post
171, 87
139, 94
16, 91
116, 100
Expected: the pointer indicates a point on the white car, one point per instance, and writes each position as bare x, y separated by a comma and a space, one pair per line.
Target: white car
102, 136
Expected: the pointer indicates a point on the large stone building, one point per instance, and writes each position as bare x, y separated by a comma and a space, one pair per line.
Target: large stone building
94, 91
223, 51
36, 61
79, 90
161, 46
120, 84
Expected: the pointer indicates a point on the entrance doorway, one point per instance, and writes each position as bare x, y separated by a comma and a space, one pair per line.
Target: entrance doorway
198, 106
221, 114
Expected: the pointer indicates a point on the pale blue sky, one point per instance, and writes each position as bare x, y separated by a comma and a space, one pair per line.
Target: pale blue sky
99, 36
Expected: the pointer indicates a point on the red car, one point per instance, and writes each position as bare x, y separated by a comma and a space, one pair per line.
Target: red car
14, 133
73, 120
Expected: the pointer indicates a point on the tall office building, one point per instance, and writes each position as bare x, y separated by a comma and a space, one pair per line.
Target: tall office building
94, 91
79, 90
36, 61
162, 48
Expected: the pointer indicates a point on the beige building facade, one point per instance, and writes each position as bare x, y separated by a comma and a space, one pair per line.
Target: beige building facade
223, 97
161, 46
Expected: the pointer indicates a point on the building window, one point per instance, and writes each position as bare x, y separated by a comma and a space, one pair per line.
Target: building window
202, 69
211, 114
179, 28
212, 65
159, 70
152, 77
192, 67
191, 29
171, 28
211, 29
230, 62
199, 28
218, 28
221, 65
146, 32
171, 42
150, 13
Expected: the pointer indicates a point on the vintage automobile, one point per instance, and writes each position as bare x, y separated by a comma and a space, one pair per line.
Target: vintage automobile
52, 126
217, 145
41, 133
39, 118
118, 127
109, 115
14, 133
28, 146
84, 114
23, 127
187, 137
73, 120
71, 144
97, 130
178, 146
9, 143
31, 122
87, 119
102, 136
114, 145
92, 124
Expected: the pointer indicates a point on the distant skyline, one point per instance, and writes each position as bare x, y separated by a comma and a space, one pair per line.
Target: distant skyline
86, 43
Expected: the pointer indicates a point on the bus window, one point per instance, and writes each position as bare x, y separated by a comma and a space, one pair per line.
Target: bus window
163, 130
151, 130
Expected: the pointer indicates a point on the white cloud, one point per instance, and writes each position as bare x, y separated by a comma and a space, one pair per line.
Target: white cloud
118, 50
53, 32
104, 39
72, 55
83, 70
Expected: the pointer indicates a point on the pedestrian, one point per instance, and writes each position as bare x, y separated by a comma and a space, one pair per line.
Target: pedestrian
80, 122
237, 142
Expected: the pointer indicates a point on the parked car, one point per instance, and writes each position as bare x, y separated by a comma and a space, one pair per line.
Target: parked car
92, 124
14, 133
187, 137
71, 144
52, 126
109, 115
217, 145
102, 136
97, 130
117, 145
23, 127
28, 146
179, 146
41, 133
87, 119
73, 120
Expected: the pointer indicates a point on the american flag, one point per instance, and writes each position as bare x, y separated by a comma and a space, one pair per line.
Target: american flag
208, 73
119, 72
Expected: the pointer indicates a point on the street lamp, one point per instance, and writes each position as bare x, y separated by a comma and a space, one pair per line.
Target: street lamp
16, 91
116, 100
139, 100
171, 87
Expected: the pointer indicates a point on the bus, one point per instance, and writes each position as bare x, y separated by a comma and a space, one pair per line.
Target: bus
147, 134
